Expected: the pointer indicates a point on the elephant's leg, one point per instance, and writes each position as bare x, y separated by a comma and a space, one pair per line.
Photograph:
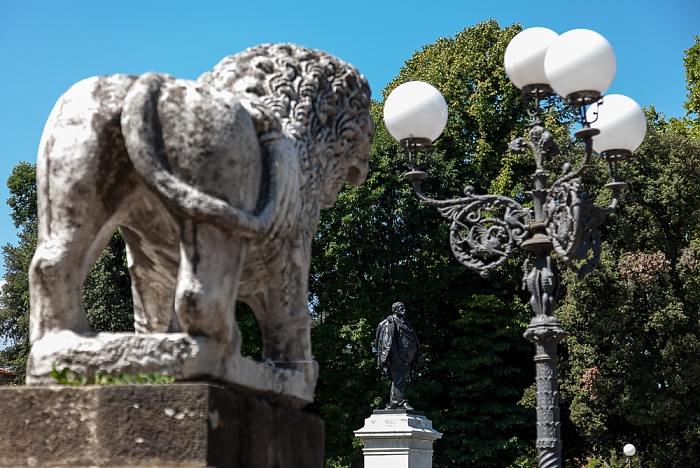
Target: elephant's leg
153, 265
152, 249
82, 176
285, 321
65, 253
211, 261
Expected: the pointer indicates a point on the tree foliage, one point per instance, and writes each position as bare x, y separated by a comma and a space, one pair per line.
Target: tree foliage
692, 78
14, 299
689, 125
633, 367
107, 289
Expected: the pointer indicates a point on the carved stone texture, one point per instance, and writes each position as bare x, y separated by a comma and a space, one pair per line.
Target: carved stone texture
217, 186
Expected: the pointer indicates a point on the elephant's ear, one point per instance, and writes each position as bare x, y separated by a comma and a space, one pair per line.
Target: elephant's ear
144, 143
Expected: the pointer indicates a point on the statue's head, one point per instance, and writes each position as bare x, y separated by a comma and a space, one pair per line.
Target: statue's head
399, 309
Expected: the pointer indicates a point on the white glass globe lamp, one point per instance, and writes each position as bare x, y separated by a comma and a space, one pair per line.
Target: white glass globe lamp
629, 450
580, 66
524, 60
622, 125
415, 111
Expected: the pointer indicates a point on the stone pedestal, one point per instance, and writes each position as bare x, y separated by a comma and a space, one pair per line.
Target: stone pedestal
398, 439
182, 425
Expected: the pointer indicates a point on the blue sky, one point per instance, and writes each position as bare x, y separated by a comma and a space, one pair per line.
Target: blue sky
45, 46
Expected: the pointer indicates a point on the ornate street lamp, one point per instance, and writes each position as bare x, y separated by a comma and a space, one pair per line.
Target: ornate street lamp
486, 229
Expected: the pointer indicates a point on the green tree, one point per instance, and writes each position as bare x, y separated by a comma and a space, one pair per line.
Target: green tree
107, 288
692, 78
379, 245
14, 299
632, 372
690, 123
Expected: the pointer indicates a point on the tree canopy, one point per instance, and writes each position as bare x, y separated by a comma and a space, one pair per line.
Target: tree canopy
14, 297
692, 78
689, 124
634, 326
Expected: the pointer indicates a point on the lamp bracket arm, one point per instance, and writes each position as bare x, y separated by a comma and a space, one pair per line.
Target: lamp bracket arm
572, 223
615, 202
485, 229
585, 256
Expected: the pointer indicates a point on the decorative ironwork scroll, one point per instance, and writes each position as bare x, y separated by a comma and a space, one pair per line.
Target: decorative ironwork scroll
485, 230
572, 223
586, 257
562, 212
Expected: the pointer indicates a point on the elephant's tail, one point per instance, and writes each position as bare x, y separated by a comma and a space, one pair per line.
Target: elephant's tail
144, 143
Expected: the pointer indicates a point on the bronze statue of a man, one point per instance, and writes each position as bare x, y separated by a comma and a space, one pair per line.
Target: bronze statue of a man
398, 347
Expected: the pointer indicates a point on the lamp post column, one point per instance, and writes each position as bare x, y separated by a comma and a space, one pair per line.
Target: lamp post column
541, 279
545, 332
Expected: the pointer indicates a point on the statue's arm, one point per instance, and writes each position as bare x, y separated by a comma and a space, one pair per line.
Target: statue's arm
384, 340
378, 344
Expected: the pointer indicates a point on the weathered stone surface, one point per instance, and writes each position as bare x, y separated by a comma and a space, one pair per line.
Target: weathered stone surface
175, 354
398, 439
154, 426
217, 186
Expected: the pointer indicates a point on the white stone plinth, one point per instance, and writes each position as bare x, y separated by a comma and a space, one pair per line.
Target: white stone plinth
398, 439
